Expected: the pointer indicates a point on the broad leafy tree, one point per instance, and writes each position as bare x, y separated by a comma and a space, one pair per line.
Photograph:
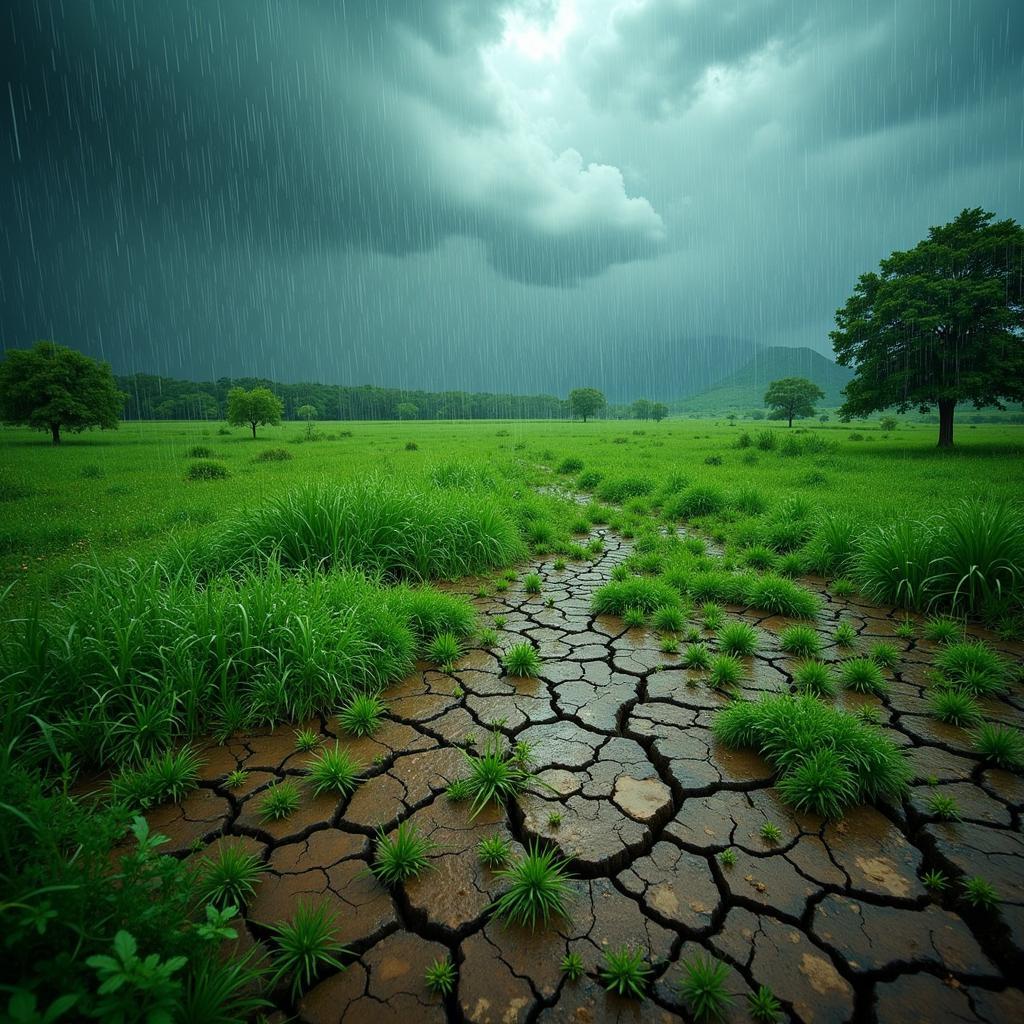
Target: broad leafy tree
939, 324
641, 409
407, 411
256, 408
659, 410
585, 402
307, 412
51, 387
792, 397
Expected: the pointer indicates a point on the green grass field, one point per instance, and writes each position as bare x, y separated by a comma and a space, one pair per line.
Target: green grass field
114, 493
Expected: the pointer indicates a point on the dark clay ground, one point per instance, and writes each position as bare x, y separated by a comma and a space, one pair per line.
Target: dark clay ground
834, 918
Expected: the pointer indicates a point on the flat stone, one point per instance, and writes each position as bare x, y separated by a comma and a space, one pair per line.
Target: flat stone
923, 997
200, 816
876, 856
643, 800
673, 885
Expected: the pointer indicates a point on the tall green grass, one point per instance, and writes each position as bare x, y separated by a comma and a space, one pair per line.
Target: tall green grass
379, 525
137, 657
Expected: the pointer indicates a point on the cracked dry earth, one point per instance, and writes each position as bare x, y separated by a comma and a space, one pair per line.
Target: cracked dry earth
834, 917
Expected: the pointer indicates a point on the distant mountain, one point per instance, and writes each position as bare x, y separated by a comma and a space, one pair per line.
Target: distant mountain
743, 390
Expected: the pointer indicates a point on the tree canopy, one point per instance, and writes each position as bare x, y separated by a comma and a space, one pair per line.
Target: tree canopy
586, 402
792, 397
659, 410
939, 324
51, 387
256, 408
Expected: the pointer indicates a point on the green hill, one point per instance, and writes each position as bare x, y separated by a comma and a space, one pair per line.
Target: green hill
743, 391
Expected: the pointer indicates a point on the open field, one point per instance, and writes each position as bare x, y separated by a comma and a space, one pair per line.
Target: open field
516, 721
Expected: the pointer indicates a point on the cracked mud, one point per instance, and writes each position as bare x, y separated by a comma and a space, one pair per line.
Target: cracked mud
833, 917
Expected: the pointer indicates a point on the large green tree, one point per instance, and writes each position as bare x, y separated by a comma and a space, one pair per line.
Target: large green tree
791, 397
51, 387
939, 324
659, 410
586, 402
256, 408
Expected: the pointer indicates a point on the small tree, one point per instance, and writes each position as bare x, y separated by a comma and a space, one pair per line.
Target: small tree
641, 409
50, 387
586, 402
938, 324
659, 411
407, 411
308, 413
792, 397
256, 408
887, 423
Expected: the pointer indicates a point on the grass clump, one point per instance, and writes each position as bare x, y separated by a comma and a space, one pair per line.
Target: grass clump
846, 762
815, 678
493, 851
845, 635
625, 972
668, 618
800, 640
634, 618
274, 455
538, 889
763, 1006
782, 597
973, 667
739, 639
979, 893
619, 596
207, 469
725, 671
522, 660
1001, 745
440, 977
942, 629
229, 877
280, 801
444, 649
954, 707
362, 715
572, 966
532, 583
306, 945
862, 675
306, 740
697, 655
884, 654
702, 987
334, 770
712, 615
161, 778
402, 856
496, 775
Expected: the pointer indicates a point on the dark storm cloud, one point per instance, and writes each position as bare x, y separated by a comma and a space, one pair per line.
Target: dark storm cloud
390, 192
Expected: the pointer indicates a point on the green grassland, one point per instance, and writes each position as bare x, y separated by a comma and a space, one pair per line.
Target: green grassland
107, 494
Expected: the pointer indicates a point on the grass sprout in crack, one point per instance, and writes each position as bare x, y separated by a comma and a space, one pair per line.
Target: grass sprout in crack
625, 971
973, 667
280, 801
522, 660
738, 639
306, 945
1001, 745
493, 851
572, 966
229, 877
954, 707
800, 640
496, 774
815, 678
440, 977
400, 857
538, 889
362, 715
845, 635
702, 987
763, 1006
334, 770
444, 650
862, 675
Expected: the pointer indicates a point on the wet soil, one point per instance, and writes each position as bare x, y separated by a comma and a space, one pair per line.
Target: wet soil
833, 917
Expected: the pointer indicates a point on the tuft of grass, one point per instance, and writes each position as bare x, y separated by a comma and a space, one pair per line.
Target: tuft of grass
669, 645
458, 790
493, 851
361, 716
440, 977
1001, 745
955, 707
444, 649
935, 880
697, 655
739, 639
725, 671
763, 1006
884, 654
306, 740
845, 635
815, 677
280, 801
572, 966
619, 596
979, 893
973, 667
625, 972
538, 889
862, 675
306, 945
702, 987
229, 878
942, 629
334, 770
159, 779
532, 583
496, 775
402, 856
944, 807
712, 615
667, 619
906, 630
843, 588
236, 778
522, 660
789, 731
487, 638
801, 640
727, 858
634, 618
780, 596
769, 831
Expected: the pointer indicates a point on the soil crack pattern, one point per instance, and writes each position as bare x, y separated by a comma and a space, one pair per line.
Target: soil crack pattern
663, 828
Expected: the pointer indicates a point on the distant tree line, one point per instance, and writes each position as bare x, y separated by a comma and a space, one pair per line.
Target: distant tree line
150, 397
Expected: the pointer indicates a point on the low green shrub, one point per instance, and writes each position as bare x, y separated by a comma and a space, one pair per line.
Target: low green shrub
207, 469
617, 597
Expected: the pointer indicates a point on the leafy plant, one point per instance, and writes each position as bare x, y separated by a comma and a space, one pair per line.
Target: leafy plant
625, 972
306, 945
334, 770
401, 857
361, 716
1001, 745
727, 858
763, 1006
522, 660
800, 640
770, 832
538, 889
280, 801
944, 807
979, 893
702, 987
306, 739
236, 778
493, 851
440, 977
135, 988
738, 638
862, 675
229, 877
495, 775
935, 880
572, 966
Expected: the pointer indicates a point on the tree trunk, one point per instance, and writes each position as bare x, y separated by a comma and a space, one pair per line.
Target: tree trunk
946, 408
791, 419
55, 432
253, 425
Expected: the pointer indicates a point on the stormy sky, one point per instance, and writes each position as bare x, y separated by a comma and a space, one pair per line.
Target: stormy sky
519, 196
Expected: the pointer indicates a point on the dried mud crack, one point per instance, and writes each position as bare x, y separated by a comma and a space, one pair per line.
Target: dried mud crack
834, 917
